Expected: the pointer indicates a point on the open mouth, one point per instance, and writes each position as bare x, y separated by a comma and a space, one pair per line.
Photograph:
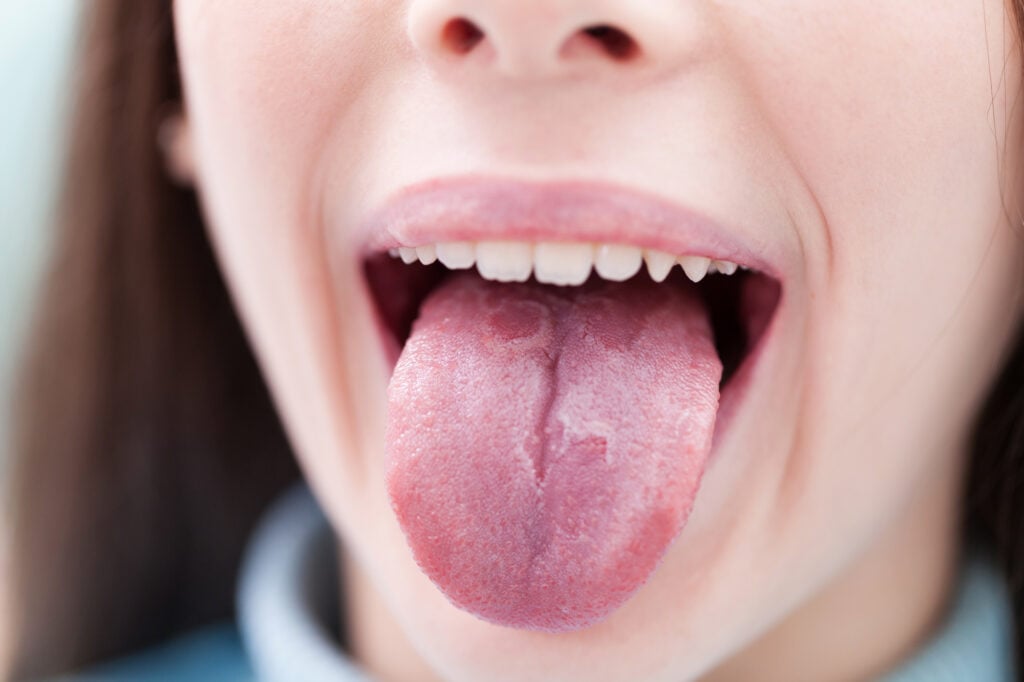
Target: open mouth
554, 400
739, 301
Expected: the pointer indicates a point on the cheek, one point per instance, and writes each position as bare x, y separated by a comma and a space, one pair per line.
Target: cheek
267, 82
895, 132
271, 90
912, 269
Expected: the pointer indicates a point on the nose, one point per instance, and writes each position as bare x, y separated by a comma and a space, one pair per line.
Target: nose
546, 38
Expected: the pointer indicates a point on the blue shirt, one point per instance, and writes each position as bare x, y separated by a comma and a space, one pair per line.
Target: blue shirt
287, 600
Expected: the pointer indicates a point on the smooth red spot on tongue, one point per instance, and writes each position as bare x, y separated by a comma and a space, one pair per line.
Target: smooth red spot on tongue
545, 445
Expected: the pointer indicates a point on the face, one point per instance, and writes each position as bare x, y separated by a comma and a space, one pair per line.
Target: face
848, 154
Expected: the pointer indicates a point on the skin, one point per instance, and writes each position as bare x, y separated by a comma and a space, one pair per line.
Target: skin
861, 139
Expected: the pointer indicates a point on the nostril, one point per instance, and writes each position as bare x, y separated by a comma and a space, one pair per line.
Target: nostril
461, 35
616, 43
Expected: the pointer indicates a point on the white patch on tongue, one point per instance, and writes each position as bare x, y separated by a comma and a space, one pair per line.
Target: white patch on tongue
545, 445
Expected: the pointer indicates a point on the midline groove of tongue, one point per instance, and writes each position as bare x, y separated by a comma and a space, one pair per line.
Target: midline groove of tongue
545, 446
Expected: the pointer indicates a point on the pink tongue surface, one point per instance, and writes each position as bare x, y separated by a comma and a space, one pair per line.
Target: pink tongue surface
545, 445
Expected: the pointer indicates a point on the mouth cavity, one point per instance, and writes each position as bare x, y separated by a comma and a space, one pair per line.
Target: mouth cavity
740, 301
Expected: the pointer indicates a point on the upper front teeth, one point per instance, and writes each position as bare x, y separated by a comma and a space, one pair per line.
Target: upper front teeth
504, 261
618, 262
561, 263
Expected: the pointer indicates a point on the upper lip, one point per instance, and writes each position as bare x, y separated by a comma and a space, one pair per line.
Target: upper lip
477, 209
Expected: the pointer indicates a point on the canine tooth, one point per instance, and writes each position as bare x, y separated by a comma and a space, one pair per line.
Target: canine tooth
617, 262
427, 254
725, 267
564, 264
408, 254
504, 261
394, 253
695, 267
457, 255
659, 264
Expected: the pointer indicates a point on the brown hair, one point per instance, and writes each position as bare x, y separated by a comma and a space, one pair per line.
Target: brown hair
145, 440
146, 443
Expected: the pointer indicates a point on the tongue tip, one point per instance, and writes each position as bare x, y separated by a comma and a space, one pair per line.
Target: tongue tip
564, 609
555, 611
556, 594
556, 619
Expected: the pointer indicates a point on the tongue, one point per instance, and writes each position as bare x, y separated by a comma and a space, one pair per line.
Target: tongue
545, 445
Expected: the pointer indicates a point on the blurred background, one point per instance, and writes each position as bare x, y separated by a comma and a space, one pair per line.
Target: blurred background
37, 39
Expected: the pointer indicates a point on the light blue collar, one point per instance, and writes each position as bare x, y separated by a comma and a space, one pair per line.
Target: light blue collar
288, 596
976, 642
288, 602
